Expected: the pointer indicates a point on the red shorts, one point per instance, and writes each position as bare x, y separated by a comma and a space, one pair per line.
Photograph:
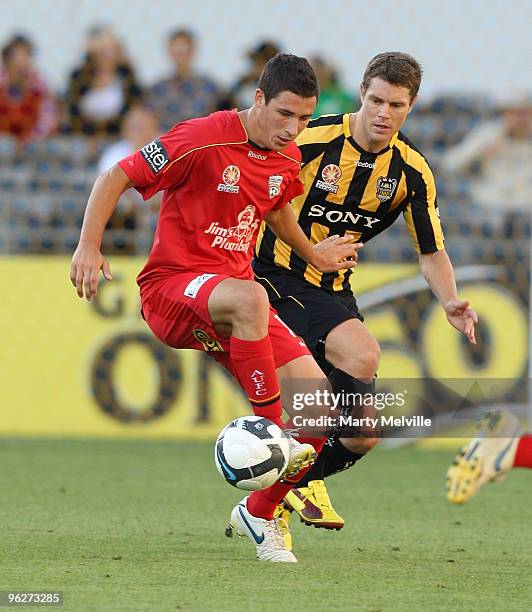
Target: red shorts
175, 309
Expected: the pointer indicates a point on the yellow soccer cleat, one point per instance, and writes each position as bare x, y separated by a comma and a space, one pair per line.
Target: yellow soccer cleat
313, 505
463, 477
282, 516
302, 455
487, 457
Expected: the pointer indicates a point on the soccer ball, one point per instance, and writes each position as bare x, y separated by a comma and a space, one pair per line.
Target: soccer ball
251, 453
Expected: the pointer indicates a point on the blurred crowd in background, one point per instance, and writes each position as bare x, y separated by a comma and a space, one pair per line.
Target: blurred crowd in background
53, 145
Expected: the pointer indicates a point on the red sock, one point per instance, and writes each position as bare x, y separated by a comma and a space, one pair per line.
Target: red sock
263, 503
253, 364
523, 454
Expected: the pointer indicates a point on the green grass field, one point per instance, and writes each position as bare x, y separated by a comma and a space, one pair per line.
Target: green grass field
139, 526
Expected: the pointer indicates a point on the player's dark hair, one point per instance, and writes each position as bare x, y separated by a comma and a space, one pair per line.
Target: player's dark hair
287, 72
18, 40
182, 33
396, 68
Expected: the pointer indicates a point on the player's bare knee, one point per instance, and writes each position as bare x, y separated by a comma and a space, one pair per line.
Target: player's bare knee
361, 363
369, 360
368, 444
250, 302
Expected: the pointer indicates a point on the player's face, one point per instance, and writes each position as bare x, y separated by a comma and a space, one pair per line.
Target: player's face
384, 110
283, 118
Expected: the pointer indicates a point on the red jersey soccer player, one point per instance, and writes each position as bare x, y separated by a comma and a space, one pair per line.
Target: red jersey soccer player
222, 176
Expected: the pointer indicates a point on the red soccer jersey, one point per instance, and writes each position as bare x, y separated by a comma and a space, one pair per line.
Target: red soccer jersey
218, 187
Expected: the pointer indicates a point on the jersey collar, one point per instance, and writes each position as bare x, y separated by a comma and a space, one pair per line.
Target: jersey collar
248, 140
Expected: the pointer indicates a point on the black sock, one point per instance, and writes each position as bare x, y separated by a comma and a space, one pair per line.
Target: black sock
339, 459
335, 457
316, 471
343, 383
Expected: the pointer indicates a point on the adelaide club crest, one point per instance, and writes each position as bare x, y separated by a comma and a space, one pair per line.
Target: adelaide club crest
385, 188
274, 185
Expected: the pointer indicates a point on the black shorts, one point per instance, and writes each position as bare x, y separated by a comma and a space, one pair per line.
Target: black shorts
311, 312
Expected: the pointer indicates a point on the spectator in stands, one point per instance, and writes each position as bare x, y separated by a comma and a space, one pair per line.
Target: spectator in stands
140, 126
185, 93
334, 98
103, 88
242, 93
28, 110
496, 156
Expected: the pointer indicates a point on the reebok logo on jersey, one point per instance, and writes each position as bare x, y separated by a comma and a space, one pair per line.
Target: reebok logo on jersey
156, 156
361, 164
254, 155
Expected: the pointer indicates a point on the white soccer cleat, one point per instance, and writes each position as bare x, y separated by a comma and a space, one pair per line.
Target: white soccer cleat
266, 534
487, 457
301, 456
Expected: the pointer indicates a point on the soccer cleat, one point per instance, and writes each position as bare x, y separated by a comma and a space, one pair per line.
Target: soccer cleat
301, 456
487, 457
313, 505
266, 534
282, 514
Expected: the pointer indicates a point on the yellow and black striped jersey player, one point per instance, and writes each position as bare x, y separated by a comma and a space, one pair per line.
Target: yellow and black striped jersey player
360, 174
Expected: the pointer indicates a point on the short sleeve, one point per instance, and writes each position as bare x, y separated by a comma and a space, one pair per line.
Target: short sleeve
421, 213
293, 189
161, 164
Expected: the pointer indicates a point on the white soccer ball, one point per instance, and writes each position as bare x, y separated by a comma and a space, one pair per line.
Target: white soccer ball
251, 453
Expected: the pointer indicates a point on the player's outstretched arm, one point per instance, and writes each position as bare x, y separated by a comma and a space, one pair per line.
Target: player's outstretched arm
88, 260
332, 254
439, 274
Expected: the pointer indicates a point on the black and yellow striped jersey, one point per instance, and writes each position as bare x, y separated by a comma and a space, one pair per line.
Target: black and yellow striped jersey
349, 191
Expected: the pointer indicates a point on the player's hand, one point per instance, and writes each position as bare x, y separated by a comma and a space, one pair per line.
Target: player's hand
462, 318
336, 253
87, 262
